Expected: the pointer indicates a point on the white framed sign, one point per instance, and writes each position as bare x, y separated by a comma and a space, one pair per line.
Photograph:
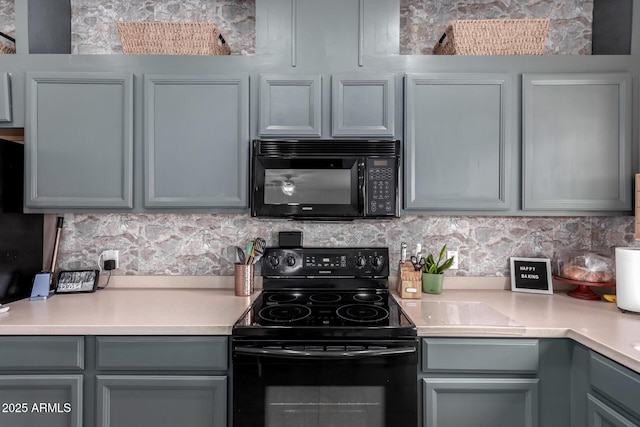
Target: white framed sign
531, 275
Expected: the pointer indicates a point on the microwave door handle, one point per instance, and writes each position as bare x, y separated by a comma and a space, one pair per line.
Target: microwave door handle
324, 354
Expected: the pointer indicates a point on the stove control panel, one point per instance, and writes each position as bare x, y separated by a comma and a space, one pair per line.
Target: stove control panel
313, 262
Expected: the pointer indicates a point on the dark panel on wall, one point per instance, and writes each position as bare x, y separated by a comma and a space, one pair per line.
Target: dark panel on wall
49, 26
612, 21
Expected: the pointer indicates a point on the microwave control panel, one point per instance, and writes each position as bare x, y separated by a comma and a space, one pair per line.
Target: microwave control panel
381, 186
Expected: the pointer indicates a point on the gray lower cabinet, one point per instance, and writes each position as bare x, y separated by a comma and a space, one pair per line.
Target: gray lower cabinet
577, 142
79, 140
602, 415
161, 400
161, 381
459, 141
196, 141
480, 402
479, 382
5, 97
41, 381
614, 396
41, 400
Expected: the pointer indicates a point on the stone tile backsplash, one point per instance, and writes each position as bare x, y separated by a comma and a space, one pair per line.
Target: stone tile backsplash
199, 244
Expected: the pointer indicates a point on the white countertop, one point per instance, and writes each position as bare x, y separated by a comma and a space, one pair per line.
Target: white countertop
598, 325
120, 311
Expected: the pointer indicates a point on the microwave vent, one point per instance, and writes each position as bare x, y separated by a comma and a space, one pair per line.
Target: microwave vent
332, 147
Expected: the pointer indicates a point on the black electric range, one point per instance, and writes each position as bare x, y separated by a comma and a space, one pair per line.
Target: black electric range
325, 344
320, 293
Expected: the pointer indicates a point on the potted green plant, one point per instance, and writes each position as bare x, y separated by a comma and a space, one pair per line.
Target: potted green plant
433, 271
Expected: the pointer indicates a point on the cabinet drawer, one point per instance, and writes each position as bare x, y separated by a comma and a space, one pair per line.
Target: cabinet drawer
165, 353
469, 354
41, 353
616, 382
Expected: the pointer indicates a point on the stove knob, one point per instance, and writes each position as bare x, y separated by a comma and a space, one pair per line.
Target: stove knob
274, 261
291, 261
361, 261
377, 261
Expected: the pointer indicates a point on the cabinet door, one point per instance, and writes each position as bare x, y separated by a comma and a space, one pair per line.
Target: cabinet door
577, 142
602, 415
41, 400
159, 401
79, 140
290, 105
5, 97
457, 142
363, 105
480, 402
196, 141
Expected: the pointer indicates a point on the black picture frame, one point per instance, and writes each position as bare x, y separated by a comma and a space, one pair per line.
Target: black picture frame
77, 281
531, 275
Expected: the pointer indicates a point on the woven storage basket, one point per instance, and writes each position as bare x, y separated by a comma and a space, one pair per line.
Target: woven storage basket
172, 38
494, 37
5, 48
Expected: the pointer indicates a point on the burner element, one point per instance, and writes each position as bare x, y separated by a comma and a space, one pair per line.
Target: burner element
280, 298
362, 313
284, 313
325, 298
367, 297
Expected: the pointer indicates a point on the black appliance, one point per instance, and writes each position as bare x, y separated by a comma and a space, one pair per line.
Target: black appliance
325, 344
325, 179
20, 234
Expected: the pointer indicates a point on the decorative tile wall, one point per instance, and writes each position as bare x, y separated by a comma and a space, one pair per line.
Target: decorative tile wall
423, 22
178, 244
7, 17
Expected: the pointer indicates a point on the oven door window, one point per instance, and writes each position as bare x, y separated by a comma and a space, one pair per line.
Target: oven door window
307, 187
352, 406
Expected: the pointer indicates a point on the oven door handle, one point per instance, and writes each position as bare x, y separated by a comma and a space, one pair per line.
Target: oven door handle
324, 354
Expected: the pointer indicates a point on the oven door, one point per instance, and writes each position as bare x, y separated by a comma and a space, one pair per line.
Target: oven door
325, 384
308, 187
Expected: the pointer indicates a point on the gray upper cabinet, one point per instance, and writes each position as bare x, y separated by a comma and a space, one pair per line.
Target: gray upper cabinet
363, 105
5, 97
458, 141
196, 141
79, 140
290, 105
577, 142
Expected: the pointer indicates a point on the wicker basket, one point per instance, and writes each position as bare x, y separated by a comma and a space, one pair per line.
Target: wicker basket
494, 37
5, 48
172, 38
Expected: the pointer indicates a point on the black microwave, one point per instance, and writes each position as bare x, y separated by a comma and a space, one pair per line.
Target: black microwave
325, 179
